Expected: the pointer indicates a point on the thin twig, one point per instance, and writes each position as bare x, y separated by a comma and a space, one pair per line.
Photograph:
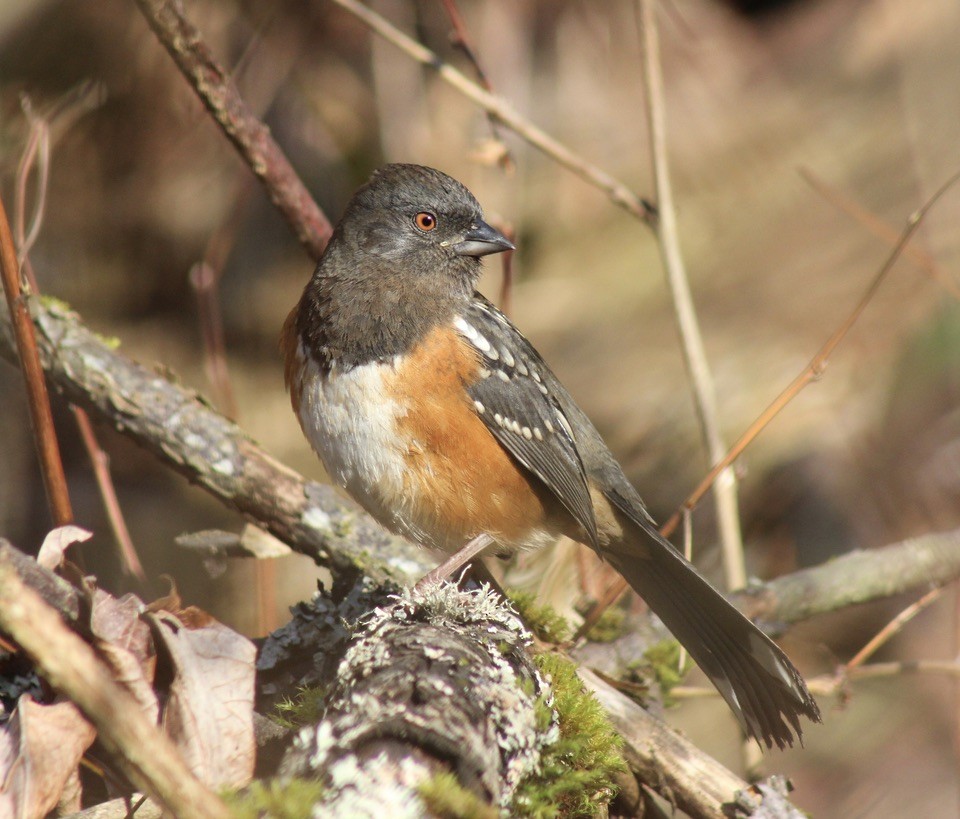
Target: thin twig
203, 279
818, 363
252, 139
41, 416
617, 191
38, 145
694, 354
40, 129
892, 628
461, 39
72, 668
827, 685
506, 282
100, 461
879, 228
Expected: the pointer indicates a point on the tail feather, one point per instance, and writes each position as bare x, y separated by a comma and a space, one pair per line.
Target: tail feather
758, 682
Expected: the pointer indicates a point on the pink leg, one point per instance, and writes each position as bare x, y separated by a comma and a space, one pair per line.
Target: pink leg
455, 561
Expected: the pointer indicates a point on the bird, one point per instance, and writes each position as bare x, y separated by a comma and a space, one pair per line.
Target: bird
432, 410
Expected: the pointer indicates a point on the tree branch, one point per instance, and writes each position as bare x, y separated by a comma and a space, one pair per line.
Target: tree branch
858, 577
184, 433
616, 190
71, 667
251, 137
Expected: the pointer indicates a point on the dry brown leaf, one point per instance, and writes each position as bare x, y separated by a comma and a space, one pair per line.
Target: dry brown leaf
209, 708
57, 542
125, 643
40, 748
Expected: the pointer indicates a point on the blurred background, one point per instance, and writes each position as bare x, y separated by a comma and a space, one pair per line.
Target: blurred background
777, 112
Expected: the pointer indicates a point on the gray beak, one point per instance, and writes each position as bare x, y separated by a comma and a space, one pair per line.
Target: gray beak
481, 240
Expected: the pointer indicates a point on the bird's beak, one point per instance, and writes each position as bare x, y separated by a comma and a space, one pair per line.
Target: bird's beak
480, 240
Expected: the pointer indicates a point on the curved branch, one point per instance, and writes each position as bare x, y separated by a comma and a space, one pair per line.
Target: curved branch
251, 137
183, 432
858, 577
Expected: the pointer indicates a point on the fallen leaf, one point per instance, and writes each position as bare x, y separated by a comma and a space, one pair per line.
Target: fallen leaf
208, 711
40, 748
56, 543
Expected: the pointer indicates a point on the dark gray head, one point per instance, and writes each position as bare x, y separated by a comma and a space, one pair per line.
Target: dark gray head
412, 210
404, 257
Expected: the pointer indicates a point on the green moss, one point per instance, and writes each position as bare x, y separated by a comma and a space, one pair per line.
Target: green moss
306, 708
542, 620
446, 798
609, 626
276, 799
576, 772
662, 661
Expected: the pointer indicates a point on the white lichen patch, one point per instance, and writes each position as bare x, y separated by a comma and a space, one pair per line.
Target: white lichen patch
223, 467
316, 518
475, 688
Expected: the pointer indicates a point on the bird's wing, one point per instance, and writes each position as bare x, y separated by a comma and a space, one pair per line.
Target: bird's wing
515, 401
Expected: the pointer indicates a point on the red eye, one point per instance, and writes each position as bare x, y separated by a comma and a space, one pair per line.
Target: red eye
425, 221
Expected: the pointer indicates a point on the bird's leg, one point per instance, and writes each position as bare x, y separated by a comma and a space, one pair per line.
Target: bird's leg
455, 561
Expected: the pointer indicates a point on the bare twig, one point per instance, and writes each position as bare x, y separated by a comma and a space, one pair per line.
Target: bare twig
818, 363
100, 461
251, 137
694, 354
204, 279
461, 39
41, 416
892, 628
40, 129
72, 668
618, 192
37, 150
879, 228
211, 451
811, 372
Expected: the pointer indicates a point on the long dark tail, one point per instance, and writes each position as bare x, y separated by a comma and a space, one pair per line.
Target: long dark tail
753, 675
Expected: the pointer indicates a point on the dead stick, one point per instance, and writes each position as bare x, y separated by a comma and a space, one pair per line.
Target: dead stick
811, 372
100, 461
616, 190
252, 139
70, 665
41, 416
694, 353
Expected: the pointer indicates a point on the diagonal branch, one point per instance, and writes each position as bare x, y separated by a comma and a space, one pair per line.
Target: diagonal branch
252, 139
616, 190
694, 353
44, 432
183, 432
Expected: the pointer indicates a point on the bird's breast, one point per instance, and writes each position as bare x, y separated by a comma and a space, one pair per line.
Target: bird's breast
403, 438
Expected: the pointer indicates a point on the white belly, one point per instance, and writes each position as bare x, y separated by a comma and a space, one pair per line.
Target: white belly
351, 423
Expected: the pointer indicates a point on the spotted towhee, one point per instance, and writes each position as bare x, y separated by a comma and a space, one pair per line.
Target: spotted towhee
432, 410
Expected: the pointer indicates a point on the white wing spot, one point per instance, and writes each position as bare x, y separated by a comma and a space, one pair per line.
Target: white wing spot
527, 433
498, 419
502, 375
565, 424
479, 407
474, 336
537, 433
549, 426
508, 358
522, 368
483, 372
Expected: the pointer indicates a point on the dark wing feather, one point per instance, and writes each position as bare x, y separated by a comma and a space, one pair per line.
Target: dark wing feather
513, 399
